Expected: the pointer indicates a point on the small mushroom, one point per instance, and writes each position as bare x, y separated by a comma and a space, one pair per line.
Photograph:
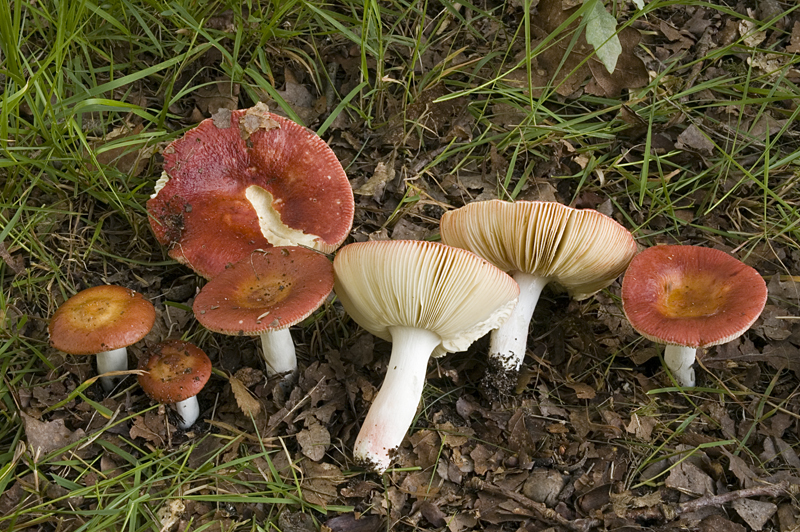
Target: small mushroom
102, 320
175, 372
426, 298
536, 243
263, 295
690, 297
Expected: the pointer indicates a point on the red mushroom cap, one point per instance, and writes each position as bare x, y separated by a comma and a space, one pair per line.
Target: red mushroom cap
101, 318
231, 182
270, 290
176, 371
691, 296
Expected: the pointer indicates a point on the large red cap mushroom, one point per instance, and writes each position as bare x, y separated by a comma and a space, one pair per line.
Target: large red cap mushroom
690, 297
428, 299
245, 181
174, 373
102, 320
263, 295
538, 242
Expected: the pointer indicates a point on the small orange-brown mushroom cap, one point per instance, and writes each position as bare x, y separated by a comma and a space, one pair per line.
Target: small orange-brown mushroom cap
176, 370
101, 318
270, 290
691, 296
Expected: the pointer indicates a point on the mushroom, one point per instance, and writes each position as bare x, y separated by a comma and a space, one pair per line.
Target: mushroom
536, 243
426, 298
102, 320
263, 295
248, 180
174, 373
690, 297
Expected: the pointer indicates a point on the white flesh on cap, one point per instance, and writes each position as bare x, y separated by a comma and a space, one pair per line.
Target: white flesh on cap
274, 230
394, 407
508, 342
188, 410
679, 360
114, 360
278, 351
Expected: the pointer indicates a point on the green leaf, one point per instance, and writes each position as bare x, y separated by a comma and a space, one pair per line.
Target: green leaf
601, 32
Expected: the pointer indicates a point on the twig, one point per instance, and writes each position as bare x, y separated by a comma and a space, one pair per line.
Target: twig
773, 490
546, 514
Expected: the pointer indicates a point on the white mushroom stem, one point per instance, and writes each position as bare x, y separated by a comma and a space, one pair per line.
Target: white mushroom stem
278, 350
394, 407
679, 360
188, 410
509, 341
114, 360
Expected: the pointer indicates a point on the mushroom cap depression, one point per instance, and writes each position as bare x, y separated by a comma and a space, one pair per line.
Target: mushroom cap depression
580, 249
101, 318
176, 371
244, 181
409, 283
691, 296
267, 291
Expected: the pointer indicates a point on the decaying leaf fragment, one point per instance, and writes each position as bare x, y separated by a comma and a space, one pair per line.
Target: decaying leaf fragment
566, 63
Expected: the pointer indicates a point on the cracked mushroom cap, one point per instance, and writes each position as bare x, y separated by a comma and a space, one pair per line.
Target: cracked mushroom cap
410, 283
580, 249
101, 318
267, 291
248, 180
176, 370
691, 296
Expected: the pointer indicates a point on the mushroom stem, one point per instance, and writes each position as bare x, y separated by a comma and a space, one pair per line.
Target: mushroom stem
278, 351
394, 407
114, 360
507, 345
679, 360
188, 411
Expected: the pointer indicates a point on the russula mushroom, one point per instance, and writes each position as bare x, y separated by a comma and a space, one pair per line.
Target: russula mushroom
248, 180
263, 295
174, 373
536, 243
102, 320
690, 297
426, 298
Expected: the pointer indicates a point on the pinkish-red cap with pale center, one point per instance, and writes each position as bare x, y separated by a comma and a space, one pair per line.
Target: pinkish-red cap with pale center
176, 370
245, 181
267, 291
691, 296
101, 318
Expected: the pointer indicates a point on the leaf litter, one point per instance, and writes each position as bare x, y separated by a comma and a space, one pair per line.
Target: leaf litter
573, 449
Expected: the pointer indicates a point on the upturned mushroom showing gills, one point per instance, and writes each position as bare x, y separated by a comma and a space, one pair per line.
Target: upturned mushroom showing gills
174, 373
690, 297
428, 299
102, 320
248, 180
263, 295
536, 243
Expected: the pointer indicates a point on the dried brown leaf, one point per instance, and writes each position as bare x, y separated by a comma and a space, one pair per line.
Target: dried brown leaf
46, 436
314, 441
248, 404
